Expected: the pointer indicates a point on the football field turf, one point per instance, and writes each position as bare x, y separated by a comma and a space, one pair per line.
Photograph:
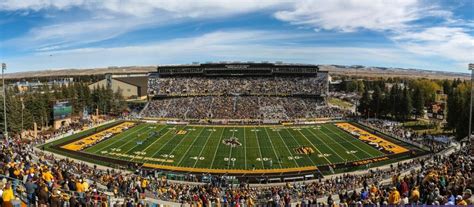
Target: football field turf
235, 147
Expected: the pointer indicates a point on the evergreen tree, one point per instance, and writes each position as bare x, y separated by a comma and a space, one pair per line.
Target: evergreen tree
458, 109
393, 101
406, 103
376, 102
364, 104
418, 103
118, 104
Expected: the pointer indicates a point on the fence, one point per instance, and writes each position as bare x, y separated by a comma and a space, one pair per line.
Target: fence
18, 190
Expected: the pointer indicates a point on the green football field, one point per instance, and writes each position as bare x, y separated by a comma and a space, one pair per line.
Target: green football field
239, 147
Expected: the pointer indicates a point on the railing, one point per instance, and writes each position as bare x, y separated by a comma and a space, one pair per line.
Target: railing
18, 190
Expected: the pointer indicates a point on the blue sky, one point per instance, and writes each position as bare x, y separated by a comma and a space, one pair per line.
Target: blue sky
54, 34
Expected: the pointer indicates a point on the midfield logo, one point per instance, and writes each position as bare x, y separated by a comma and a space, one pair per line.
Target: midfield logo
232, 142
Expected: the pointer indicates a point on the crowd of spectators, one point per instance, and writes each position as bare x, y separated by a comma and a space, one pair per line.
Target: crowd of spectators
178, 86
396, 129
46, 180
241, 107
262, 98
50, 181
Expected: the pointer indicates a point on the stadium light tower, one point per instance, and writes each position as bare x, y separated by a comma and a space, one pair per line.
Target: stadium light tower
5, 133
471, 68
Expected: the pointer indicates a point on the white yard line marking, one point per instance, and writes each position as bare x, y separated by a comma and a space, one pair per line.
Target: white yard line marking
217, 148
190, 146
230, 151
179, 143
334, 142
259, 150
245, 149
353, 144
273, 147
162, 145
134, 140
329, 162
131, 133
342, 141
202, 149
289, 151
323, 143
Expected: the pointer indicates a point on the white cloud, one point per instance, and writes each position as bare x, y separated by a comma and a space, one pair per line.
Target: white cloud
215, 46
396, 19
70, 34
352, 15
107, 19
181, 8
448, 42
111, 18
38, 4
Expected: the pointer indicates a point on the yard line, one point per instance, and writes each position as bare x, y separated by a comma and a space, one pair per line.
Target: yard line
131, 133
287, 147
259, 150
114, 139
184, 155
179, 143
245, 150
341, 141
161, 146
370, 155
230, 151
202, 149
297, 142
273, 147
322, 141
218, 144
310, 131
329, 162
126, 152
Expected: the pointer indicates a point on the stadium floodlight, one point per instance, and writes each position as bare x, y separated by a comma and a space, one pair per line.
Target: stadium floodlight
471, 68
5, 133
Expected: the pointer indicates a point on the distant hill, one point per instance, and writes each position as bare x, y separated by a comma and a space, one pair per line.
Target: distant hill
363, 71
80, 72
355, 70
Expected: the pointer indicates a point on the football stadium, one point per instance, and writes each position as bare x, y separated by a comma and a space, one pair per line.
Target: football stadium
248, 120
230, 133
249, 103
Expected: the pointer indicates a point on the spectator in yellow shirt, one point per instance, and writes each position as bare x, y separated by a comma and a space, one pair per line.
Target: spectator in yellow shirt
394, 197
7, 196
17, 173
144, 184
460, 201
48, 177
86, 186
79, 186
415, 195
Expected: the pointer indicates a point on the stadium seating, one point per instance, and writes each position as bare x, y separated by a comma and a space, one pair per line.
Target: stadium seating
240, 107
264, 98
175, 86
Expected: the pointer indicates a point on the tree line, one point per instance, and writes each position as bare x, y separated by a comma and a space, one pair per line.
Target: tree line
406, 99
25, 108
458, 107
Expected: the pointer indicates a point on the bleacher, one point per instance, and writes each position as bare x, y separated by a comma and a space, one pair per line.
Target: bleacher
238, 91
